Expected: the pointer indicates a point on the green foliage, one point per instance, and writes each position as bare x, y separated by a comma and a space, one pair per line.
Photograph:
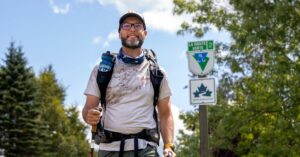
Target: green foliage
33, 119
191, 136
21, 129
77, 133
65, 129
258, 100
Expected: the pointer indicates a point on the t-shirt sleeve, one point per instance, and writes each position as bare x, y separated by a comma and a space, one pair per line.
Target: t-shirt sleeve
165, 90
92, 86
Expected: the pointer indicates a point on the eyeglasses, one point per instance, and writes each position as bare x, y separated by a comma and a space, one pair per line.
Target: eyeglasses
136, 26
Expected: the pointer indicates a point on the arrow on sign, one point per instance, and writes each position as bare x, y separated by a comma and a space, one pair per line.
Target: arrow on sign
202, 59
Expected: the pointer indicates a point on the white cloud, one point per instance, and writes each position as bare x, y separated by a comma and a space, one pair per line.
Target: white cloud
114, 35
162, 20
158, 14
79, 109
98, 40
86, 1
124, 5
178, 123
61, 10
105, 44
58, 9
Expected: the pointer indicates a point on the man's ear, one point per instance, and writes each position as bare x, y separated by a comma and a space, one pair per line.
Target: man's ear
145, 32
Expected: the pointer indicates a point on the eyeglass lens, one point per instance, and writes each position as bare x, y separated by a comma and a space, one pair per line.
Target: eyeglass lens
137, 26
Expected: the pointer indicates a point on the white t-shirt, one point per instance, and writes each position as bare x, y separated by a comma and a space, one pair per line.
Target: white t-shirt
129, 101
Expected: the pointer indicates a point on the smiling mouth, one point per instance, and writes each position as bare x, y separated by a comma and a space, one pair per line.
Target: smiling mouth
132, 37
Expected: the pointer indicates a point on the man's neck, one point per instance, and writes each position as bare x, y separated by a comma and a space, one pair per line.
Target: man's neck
132, 52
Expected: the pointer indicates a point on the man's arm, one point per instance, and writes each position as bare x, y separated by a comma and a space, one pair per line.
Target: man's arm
90, 113
166, 122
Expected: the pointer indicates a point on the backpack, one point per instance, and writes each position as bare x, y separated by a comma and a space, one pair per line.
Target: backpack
104, 75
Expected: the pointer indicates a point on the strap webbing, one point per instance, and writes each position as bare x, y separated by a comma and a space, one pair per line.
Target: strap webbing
136, 147
122, 148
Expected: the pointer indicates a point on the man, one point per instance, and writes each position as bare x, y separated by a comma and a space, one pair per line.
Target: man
129, 98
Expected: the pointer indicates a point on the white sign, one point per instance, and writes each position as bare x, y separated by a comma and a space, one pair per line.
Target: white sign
203, 91
201, 57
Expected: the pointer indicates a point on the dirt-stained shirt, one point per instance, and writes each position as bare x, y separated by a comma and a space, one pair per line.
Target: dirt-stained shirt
129, 99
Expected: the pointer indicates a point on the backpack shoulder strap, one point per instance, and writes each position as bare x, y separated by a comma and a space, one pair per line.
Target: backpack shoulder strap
104, 74
150, 55
156, 75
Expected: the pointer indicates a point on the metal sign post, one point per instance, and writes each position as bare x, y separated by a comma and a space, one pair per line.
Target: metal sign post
202, 91
203, 130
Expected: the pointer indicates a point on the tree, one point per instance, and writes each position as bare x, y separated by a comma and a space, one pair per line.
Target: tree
65, 130
77, 136
33, 119
258, 114
50, 96
189, 141
21, 128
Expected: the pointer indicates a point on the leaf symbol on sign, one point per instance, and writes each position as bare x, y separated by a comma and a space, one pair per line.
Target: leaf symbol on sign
202, 90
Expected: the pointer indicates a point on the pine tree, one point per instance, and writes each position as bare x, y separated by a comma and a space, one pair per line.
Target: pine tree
19, 118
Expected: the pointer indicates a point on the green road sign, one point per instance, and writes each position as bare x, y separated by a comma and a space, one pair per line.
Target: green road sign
201, 57
201, 45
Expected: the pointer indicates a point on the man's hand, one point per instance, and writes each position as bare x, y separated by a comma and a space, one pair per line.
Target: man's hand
93, 116
168, 152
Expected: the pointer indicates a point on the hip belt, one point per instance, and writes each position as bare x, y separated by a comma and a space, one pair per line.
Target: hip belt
146, 134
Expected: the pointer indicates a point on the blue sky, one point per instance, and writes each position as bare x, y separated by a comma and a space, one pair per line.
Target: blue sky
72, 34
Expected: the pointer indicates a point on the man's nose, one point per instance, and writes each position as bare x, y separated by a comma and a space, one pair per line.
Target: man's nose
132, 28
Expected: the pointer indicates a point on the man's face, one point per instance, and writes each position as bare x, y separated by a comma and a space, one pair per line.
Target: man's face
132, 33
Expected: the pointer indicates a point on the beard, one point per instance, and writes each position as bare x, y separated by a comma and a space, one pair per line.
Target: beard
132, 44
